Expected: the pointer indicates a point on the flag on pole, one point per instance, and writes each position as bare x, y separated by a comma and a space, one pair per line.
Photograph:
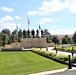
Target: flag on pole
16, 26
17, 31
28, 22
39, 26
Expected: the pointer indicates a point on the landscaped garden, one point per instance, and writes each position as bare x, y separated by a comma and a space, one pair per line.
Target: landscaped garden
23, 63
66, 47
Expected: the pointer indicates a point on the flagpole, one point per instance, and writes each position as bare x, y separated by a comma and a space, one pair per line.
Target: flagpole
17, 31
28, 23
39, 30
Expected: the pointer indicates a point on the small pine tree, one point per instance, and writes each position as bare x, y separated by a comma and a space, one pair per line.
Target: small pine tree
74, 37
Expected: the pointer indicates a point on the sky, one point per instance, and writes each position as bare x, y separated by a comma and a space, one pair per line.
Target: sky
58, 16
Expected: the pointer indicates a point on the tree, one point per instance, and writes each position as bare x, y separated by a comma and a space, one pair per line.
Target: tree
1, 41
20, 34
65, 39
7, 31
33, 33
13, 38
4, 37
28, 32
74, 37
25, 34
49, 39
46, 33
14, 32
37, 33
42, 33
55, 39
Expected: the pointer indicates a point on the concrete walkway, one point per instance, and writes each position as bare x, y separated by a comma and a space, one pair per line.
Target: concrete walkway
59, 52
57, 72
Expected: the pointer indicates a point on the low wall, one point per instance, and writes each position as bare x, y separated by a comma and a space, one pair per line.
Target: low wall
50, 44
30, 43
13, 45
33, 42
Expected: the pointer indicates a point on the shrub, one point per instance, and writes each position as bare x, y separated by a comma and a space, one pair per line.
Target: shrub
74, 59
63, 57
51, 54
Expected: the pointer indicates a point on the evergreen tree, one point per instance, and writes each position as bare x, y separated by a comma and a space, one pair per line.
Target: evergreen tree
55, 39
65, 39
74, 37
20, 34
33, 33
37, 33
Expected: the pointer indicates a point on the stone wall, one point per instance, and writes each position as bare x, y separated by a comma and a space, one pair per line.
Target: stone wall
33, 42
50, 44
30, 43
13, 45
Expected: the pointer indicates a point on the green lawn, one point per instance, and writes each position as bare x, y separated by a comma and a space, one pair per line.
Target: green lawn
23, 63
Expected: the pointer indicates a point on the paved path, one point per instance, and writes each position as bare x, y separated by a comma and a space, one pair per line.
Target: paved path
59, 52
64, 71
71, 72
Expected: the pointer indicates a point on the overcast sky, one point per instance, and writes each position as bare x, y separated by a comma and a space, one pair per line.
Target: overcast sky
58, 16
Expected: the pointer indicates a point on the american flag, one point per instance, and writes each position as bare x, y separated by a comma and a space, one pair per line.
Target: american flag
39, 27
16, 26
28, 22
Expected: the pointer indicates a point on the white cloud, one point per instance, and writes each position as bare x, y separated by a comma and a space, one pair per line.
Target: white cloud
52, 6
6, 19
6, 9
31, 13
49, 7
17, 17
45, 20
7, 22
73, 7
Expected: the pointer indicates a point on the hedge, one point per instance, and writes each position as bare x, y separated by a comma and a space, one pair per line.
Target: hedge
50, 54
59, 58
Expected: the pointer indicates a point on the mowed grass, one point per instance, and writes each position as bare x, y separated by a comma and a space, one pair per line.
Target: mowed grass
23, 63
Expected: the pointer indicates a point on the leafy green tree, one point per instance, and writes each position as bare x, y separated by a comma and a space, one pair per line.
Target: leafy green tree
33, 33
13, 38
42, 33
1, 41
28, 32
25, 34
4, 37
37, 33
20, 34
49, 39
55, 39
7, 31
14, 32
46, 33
65, 39
74, 37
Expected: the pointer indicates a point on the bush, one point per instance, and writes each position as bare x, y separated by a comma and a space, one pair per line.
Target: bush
63, 57
51, 54
74, 59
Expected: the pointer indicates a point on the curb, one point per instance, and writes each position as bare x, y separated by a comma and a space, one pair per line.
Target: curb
53, 71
